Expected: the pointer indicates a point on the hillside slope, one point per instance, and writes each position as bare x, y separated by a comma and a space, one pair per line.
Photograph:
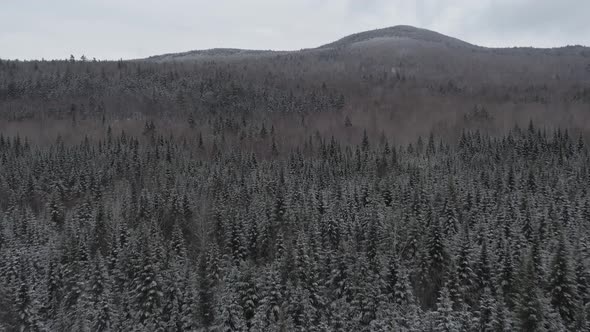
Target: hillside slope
417, 53
400, 81
399, 32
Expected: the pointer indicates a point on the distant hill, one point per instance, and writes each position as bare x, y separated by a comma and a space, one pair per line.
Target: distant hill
401, 36
399, 32
392, 35
214, 52
410, 78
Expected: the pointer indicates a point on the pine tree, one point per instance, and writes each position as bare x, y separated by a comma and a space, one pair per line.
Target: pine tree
27, 317
507, 278
582, 292
187, 309
484, 268
437, 262
100, 290
54, 291
270, 311
488, 313
347, 122
529, 311
206, 274
561, 286
466, 276
445, 319
247, 294
229, 313
450, 219
148, 294
300, 308
365, 142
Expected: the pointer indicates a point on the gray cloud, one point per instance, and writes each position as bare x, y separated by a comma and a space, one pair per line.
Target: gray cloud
115, 29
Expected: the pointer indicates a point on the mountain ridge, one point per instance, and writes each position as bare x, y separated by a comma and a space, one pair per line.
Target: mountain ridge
393, 35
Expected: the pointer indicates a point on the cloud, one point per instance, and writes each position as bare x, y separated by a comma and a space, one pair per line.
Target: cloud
137, 28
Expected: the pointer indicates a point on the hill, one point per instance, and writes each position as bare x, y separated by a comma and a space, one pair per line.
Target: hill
393, 34
214, 52
397, 82
396, 33
400, 36
420, 54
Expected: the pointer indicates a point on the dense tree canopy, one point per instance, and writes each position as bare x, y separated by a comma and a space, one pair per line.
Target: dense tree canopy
159, 233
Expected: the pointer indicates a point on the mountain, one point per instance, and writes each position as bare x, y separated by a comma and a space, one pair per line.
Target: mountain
397, 33
404, 37
410, 77
394, 35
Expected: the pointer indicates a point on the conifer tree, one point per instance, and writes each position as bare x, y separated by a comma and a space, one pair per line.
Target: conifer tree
561, 285
445, 317
529, 309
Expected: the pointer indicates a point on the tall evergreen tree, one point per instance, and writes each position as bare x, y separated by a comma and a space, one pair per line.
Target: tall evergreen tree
561, 286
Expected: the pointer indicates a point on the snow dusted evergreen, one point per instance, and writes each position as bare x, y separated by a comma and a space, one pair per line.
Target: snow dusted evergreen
155, 233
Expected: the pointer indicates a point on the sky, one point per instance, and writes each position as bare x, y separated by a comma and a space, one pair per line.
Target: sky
129, 29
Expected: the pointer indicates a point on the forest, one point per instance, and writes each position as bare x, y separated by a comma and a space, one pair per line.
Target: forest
152, 234
280, 193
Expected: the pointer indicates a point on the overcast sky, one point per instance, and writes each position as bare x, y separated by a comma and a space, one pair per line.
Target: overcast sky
113, 29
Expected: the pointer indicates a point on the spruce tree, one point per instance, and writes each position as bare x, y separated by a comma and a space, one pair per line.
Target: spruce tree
561, 285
